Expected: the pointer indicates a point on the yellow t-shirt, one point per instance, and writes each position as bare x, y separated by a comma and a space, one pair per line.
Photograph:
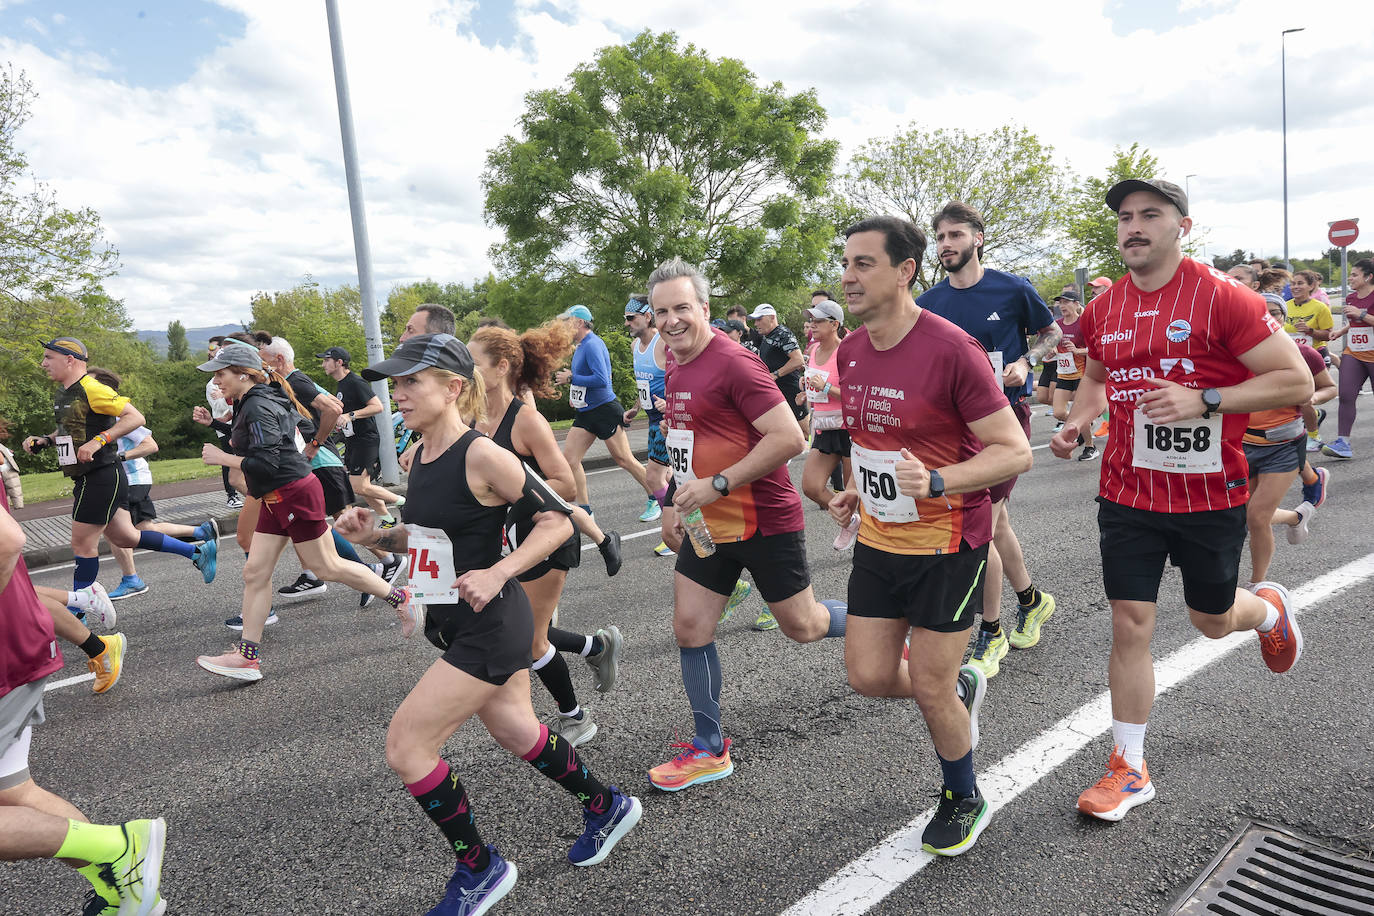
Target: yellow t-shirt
1316, 313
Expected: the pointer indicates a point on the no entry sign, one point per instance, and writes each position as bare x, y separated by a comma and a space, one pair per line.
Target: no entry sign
1343, 232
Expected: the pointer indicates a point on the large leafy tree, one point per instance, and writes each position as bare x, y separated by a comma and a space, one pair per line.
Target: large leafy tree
178, 350
1091, 225
654, 150
1007, 174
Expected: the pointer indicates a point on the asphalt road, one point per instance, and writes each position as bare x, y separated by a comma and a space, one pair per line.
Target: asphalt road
278, 797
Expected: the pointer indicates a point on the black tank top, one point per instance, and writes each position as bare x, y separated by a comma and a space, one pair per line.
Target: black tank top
505, 436
448, 504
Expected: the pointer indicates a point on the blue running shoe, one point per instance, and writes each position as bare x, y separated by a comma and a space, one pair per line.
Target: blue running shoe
207, 531
1338, 449
128, 587
652, 511
472, 893
1314, 493
603, 831
206, 558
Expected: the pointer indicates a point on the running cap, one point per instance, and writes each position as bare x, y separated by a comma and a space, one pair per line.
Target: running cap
827, 309
1157, 186
1103, 282
763, 309
426, 351
637, 306
734, 324
1069, 295
69, 346
581, 311
722, 323
338, 353
233, 353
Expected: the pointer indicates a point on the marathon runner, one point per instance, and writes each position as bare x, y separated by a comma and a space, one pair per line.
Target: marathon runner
1309, 321
362, 441
220, 410
1070, 358
1181, 354
829, 439
647, 349
477, 614
1359, 346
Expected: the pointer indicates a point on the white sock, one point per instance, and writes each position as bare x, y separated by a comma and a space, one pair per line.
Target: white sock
587, 648
84, 599
575, 714
1271, 618
309, 575
1130, 741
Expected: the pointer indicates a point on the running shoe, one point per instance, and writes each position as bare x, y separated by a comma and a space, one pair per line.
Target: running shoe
1029, 620
471, 893
1102, 430
389, 573
236, 623
205, 560
1282, 645
845, 539
96, 905
1088, 454
232, 665
601, 832
207, 531
234, 502
1321, 416
412, 614
138, 872
1338, 449
304, 587
692, 765
652, 511
400, 502
128, 587
576, 732
610, 552
972, 687
102, 612
765, 621
741, 591
663, 550
108, 664
988, 652
604, 662
1119, 791
1300, 532
1058, 426
1315, 492
1314, 444
958, 821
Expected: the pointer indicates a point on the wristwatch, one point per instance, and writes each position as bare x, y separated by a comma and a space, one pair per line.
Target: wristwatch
937, 484
721, 484
1211, 402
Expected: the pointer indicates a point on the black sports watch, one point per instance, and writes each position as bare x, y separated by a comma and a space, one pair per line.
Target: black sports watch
937, 484
1211, 402
721, 484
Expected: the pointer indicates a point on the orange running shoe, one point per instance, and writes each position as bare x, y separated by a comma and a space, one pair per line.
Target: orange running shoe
692, 765
1101, 431
1119, 791
1281, 646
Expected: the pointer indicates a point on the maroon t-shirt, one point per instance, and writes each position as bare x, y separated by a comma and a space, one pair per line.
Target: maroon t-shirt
28, 648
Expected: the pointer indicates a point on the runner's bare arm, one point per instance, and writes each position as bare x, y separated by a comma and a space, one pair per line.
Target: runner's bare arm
370, 409
782, 440
533, 436
1281, 379
145, 448
1325, 387
1006, 453
1089, 401
330, 408
1046, 341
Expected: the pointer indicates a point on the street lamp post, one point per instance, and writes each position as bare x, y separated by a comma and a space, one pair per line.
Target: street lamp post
1283, 77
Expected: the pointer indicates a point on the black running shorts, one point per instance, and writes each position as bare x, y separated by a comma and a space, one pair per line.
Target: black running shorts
98, 494
139, 502
363, 456
831, 442
338, 491
1205, 546
490, 646
567, 556
776, 561
943, 592
603, 422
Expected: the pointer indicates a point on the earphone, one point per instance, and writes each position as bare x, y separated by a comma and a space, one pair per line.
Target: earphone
1180, 232
244, 378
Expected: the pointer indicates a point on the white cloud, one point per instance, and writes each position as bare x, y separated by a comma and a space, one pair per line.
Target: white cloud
232, 181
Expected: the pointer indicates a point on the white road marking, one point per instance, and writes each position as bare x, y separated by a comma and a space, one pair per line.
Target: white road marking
68, 681
628, 537
860, 885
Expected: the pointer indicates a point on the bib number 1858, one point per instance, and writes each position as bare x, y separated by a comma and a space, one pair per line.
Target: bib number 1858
1179, 439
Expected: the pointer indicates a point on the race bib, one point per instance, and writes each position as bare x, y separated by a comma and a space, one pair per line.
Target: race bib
816, 380
577, 396
1301, 338
1361, 340
1064, 363
997, 368
300, 441
66, 452
1185, 447
679, 444
646, 399
876, 474
431, 566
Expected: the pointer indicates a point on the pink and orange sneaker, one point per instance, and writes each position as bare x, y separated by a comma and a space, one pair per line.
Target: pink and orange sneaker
1281, 646
1119, 791
692, 765
232, 664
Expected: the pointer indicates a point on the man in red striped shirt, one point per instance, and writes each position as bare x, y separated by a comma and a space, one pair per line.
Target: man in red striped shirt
1180, 354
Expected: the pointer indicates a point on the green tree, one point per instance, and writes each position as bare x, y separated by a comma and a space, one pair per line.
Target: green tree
313, 318
1007, 174
178, 349
1091, 225
1225, 262
656, 150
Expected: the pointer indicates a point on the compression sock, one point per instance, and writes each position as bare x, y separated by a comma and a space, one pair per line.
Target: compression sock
441, 795
86, 571
1309, 476
839, 613
992, 626
94, 843
247, 648
574, 643
93, 646
553, 671
156, 540
344, 548
1129, 739
1028, 597
958, 774
701, 678
558, 760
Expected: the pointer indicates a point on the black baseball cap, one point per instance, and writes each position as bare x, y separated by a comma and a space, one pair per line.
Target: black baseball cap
1157, 186
1068, 294
234, 353
427, 351
338, 353
68, 345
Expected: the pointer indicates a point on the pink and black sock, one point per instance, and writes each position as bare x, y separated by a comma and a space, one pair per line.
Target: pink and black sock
558, 760
441, 795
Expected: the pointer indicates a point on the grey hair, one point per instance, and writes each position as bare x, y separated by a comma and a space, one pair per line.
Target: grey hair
676, 269
280, 347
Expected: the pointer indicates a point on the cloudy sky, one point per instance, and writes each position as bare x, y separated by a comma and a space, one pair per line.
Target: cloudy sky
206, 133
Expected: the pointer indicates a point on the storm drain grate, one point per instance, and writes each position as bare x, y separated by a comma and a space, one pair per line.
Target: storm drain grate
1265, 871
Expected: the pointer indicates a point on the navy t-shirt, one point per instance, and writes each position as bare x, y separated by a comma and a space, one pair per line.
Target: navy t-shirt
999, 311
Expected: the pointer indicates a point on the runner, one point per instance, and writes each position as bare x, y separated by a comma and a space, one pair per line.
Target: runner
268, 450
784, 357
931, 431
1309, 321
478, 614
729, 439
1070, 358
829, 440
219, 410
1359, 346
647, 348
998, 310
362, 441
599, 414
90, 418
506, 362
1181, 354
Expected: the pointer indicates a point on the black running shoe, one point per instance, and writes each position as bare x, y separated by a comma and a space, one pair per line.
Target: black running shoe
303, 587
236, 623
610, 552
389, 571
957, 822
1088, 454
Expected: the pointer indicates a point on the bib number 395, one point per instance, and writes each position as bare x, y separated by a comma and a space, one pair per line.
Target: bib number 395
1185, 447
679, 445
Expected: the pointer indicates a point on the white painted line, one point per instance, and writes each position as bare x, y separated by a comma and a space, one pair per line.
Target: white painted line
863, 883
628, 537
67, 682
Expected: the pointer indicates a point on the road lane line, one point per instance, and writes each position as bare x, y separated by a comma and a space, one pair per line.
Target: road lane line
864, 882
628, 537
68, 681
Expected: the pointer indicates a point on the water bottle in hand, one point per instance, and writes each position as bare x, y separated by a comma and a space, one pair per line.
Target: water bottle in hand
700, 535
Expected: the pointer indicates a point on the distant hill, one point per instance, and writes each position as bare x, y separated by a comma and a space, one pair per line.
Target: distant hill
196, 338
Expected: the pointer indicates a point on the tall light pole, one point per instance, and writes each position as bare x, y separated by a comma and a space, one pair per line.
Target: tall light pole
1283, 76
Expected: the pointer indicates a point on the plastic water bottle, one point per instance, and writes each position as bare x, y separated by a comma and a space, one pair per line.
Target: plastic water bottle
700, 535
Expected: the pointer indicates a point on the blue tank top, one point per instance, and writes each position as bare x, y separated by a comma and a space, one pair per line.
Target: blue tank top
648, 373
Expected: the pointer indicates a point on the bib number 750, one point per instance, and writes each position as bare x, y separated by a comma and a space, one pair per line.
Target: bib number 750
877, 484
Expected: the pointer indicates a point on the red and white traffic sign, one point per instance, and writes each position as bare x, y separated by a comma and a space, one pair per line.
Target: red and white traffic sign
1343, 232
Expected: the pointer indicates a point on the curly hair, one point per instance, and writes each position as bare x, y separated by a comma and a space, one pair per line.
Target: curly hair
533, 356
1272, 279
